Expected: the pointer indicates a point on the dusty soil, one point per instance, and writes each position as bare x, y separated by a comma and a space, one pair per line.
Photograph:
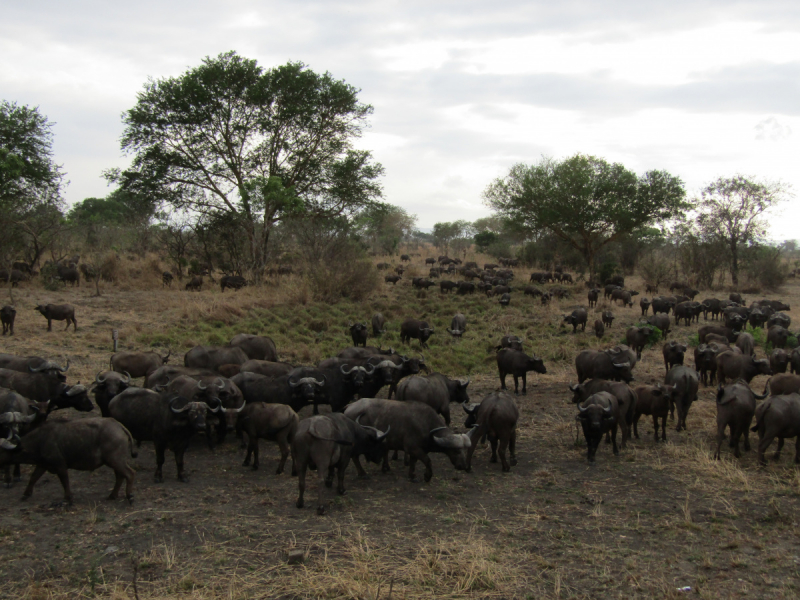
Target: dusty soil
657, 519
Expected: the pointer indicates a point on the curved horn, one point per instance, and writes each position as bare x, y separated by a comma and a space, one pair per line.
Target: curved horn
159, 388
218, 407
432, 431
76, 389
371, 369
41, 367
464, 384
453, 441
201, 386
64, 369
319, 383
7, 444
221, 384
128, 376
582, 409
343, 370
165, 358
574, 388
178, 411
294, 384
621, 365
97, 378
607, 409
470, 409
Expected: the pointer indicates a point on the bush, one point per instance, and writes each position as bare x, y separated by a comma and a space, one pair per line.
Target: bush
48, 275
607, 270
345, 274
763, 266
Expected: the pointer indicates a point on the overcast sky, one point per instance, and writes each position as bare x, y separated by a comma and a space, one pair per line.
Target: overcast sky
462, 90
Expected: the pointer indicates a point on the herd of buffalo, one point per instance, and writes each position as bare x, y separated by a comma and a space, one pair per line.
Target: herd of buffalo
245, 388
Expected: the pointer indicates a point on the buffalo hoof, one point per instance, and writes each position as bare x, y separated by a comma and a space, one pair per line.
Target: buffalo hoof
299, 504
413, 479
524, 392
320, 510
246, 462
129, 499
341, 491
112, 496
255, 467
158, 479
18, 478
26, 496
516, 392
513, 462
428, 477
329, 483
8, 485
183, 479
294, 472
506, 469
278, 471
493, 459
364, 476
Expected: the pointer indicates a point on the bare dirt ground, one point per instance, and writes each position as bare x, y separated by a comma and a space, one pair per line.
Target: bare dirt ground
658, 519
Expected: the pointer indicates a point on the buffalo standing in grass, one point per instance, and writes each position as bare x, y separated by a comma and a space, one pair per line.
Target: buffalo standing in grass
673, 353
358, 332
415, 329
778, 417
213, 357
578, 318
266, 367
597, 415
496, 418
593, 364
685, 383
7, 316
435, 390
234, 282
732, 365
83, 445
626, 400
43, 387
517, 364
58, 312
458, 325
329, 442
378, 324
108, 384
415, 428
137, 364
778, 361
195, 284
274, 422
256, 347
653, 400
637, 338
736, 406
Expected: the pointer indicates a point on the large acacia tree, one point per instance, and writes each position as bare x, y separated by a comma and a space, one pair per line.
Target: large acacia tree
585, 201
231, 138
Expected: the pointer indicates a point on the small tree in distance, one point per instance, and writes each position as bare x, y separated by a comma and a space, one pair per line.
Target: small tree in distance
731, 212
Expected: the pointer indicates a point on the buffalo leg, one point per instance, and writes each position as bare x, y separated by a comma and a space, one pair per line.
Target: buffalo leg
329, 476
362, 474
179, 463
493, 443
74, 324
512, 447
524, 383
747, 436
283, 444
50, 324
255, 452
325, 481
395, 455
160, 451
720, 437
502, 380
37, 473
502, 452
663, 428
7, 475
63, 476
252, 448
222, 429
17, 474
614, 439
636, 426
301, 483
777, 456
516, 384
385, 466
340, 469
118, 477
797, 451
763, 444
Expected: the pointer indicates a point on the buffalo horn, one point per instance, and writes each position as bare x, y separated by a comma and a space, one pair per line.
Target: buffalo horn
159, 388
178, 411
64, 369
97, 378
128, 375
460, 440
621, 365
221, 384
16, 417
343, 368
165, 358
76, 389
464, 383
470, 409
217, 408
371, 369
201, 386
6, 443
582, 408
388, 364
574, 388
319, 383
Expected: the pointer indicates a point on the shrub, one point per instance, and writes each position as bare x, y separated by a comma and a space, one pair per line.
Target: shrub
48, 275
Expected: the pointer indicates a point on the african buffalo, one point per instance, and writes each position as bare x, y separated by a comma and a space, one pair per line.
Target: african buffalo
107, 385
599, 328
33, 364
592, 297
517, 364
673, 354
435, 390
83, 445
778, 336
166, 279
329, 442
685, 383
510, 341
234, 282
626, 400
733, 366
593, 364
662, 322
41, 387
162, 375
637, 338
746, 344
7, 316
415, 428
644, 304
778, 416
778, 360
266, 367
195, 284
393, 279
358, 332
167, 421
458, 325
608, 318
212, 357
256, 347
58, 312
652, 400
711, 305
364, 352
728, 333
577, 318
465, 287
736, 406
415, 329
274, 422
597, 415
794, 361
378, 325
446, 286
137, 364
496, 418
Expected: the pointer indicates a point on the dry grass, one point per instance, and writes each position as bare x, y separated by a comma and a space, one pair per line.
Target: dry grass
658, 518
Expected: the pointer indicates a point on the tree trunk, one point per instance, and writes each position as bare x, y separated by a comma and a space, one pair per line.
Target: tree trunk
734, 263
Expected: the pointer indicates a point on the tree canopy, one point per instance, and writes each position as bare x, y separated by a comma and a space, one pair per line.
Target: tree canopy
732, 213
585, 200
231, 137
